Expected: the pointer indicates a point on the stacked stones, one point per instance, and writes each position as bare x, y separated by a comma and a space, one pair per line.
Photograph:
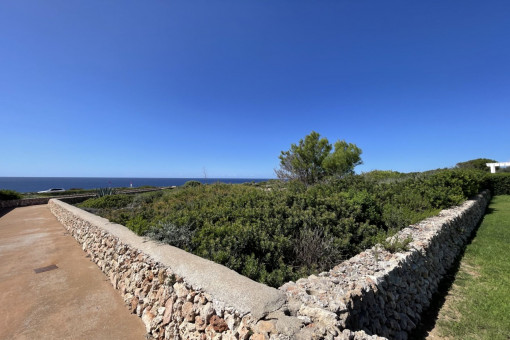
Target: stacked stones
384, 293
23, 202
169, 307
373, 295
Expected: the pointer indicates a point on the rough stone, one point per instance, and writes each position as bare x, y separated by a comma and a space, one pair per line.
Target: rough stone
378, 291
201, 323
384, 292
258, 336
134, 304
187, 311
206, 311
218, 324
266, 326
168, 311
147, 318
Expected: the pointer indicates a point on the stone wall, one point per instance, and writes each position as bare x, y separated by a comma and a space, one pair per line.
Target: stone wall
23, 202
179, 295
72, 199
42, 200
384, 293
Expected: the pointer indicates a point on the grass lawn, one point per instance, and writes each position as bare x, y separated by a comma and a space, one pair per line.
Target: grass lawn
478, 304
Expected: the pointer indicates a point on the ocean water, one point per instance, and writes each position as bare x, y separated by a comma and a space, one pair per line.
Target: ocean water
34, 184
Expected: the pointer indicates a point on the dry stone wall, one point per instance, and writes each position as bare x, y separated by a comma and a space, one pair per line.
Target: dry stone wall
25, 202
383, 293
177, 294
72, 199
374, 295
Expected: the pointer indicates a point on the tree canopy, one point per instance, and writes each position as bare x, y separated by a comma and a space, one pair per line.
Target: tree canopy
479, 164
314, 159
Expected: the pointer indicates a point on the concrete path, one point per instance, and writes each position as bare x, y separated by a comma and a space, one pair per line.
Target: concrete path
72, 301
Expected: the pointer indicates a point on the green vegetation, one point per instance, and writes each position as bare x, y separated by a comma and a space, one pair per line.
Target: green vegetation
395, 244
73, 191
9, 195
318, 216
108, 202
192, 184
499, 183
78, 191
105, 192
478, 304
312, 160
477, 164
278, 231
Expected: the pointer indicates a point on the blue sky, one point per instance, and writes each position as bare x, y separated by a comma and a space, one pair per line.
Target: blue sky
168, 88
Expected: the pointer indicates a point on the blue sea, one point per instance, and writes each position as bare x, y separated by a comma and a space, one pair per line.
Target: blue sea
34, 184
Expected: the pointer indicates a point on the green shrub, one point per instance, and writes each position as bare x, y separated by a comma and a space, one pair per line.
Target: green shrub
397, 216
395, 244
6, 194
107, 202
105, 192
383, 176
192, 184
146, 198
282, 231
499, 183
138, 224
167, 232
451, 187
478, 164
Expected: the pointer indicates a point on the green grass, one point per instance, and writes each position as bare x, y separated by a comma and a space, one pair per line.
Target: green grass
478, 305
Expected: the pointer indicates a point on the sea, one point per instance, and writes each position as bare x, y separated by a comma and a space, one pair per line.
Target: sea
34, 184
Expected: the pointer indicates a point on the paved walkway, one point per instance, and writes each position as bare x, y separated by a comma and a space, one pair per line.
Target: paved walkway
73, 301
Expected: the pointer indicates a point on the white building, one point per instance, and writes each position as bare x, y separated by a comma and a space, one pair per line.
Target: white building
494, 165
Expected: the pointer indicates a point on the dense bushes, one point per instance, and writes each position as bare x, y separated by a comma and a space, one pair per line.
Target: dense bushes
478, 164
105, 192
108, 202
9, 195
192, 184
282, 231
499, 183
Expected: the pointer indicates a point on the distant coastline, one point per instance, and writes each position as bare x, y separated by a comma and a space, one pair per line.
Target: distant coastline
34, 184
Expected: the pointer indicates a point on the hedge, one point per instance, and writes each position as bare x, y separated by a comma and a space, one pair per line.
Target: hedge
499, 183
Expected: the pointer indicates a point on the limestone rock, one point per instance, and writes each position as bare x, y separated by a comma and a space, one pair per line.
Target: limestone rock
218, 324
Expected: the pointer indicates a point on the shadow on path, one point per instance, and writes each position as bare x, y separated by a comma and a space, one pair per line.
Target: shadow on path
4, 211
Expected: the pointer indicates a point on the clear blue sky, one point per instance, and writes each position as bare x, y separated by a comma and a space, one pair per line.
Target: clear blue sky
166, 88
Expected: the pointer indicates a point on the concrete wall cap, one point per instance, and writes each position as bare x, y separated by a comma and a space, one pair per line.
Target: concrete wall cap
225, 285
